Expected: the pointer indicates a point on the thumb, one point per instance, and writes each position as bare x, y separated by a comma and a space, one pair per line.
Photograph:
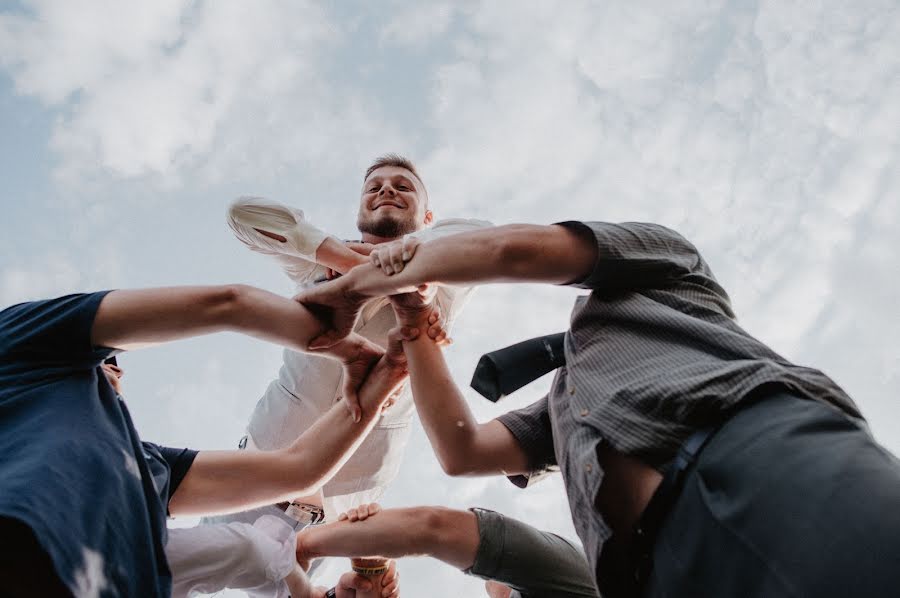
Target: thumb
323, 341
351, 401
352, 581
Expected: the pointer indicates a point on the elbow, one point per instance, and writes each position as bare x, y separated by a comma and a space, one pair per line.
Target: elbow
455, 466
432, 525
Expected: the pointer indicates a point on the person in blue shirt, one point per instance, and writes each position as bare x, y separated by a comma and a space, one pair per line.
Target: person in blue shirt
83, 501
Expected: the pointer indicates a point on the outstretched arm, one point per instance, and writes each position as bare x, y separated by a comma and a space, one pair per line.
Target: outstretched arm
513, 253
227, 481
445, 534
130, 319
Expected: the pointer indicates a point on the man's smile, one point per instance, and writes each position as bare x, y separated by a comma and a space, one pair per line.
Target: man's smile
388, 203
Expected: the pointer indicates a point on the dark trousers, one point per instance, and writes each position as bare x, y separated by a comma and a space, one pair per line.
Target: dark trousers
789, 498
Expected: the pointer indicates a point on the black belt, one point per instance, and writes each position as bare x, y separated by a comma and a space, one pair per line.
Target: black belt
661, 503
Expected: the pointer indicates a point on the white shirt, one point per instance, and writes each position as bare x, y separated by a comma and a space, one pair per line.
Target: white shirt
254, 558
308, 385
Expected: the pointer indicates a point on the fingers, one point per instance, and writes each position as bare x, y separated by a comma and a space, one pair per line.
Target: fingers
352, 404
360, 513
396, 252
324, 341
436, 330
392, 257
349, 582
395, 339
410, 244
439, 335
350, 398
497, 590
390, 583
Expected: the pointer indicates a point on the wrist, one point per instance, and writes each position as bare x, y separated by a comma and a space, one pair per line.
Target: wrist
305, 550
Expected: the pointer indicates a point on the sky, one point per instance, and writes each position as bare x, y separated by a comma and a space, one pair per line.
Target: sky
768, 133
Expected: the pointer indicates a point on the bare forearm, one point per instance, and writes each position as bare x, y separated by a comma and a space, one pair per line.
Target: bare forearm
327, 444
337, 256
445, 415
445, 534
227, 481
511, 253
134, 318
462, 445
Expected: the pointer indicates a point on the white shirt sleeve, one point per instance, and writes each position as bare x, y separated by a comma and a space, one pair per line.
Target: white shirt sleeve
297, 255
451, 298
210, 558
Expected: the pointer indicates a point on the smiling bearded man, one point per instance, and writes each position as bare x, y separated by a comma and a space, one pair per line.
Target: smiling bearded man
393, 204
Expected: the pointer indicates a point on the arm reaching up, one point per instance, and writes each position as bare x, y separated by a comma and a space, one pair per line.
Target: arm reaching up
513, 253
228, 481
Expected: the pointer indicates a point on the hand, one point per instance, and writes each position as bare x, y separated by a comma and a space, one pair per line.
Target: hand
497, 590
358, 359
417, 311
391, 257
360, 513
335, 306
390, 582
347, 586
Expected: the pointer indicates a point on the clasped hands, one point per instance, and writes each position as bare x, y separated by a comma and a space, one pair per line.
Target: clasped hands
338, 303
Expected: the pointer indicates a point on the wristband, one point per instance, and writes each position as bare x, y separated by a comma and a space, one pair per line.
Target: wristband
369, 567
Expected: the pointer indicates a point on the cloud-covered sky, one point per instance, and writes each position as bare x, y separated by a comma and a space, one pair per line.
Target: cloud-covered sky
766, 132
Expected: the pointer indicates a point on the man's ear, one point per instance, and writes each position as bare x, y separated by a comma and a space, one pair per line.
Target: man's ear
429, 217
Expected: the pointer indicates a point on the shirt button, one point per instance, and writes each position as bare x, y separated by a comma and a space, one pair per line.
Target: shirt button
588, 468
572, 390
584, 413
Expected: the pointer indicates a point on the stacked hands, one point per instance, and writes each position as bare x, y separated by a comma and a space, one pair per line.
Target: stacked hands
337, 304
352, 585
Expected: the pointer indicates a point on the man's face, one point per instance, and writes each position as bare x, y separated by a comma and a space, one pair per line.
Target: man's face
392, 204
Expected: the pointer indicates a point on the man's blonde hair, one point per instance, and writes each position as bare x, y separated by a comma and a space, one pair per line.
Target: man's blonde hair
397, 161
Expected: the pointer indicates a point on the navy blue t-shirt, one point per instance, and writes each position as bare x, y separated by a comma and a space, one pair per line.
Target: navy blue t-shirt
72, 466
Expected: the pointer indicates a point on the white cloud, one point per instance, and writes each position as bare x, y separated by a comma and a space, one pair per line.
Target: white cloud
214, 89
766, 132
418, 23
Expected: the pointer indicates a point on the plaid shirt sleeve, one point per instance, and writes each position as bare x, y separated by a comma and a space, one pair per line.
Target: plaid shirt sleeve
636, 255
531, 428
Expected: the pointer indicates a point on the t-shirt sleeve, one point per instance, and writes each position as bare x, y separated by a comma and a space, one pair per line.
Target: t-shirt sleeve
636, 255
531, 428
52, 331
179, 461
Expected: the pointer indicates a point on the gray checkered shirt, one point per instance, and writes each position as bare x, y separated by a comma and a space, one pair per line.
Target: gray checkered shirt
652, 355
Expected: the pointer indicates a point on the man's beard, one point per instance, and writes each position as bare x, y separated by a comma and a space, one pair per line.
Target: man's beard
386, 227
